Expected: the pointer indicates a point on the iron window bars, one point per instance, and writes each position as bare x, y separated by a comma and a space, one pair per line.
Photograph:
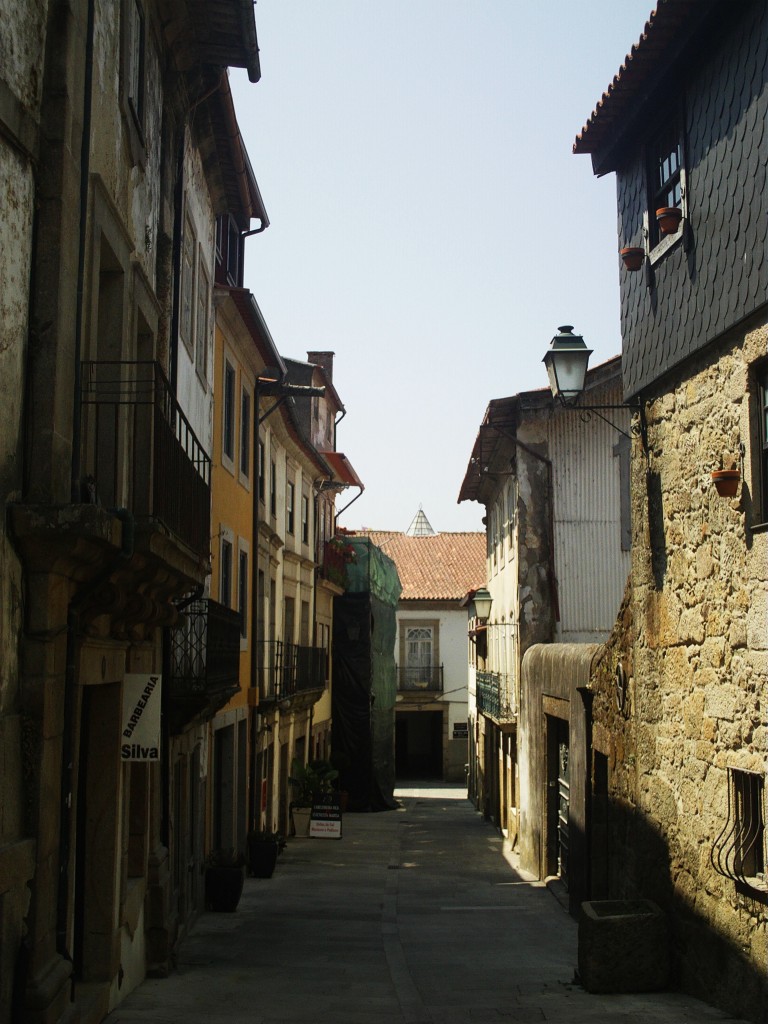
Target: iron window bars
739, 851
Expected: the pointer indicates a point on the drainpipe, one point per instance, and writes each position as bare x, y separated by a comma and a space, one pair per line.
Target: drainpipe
74, 611
85, 158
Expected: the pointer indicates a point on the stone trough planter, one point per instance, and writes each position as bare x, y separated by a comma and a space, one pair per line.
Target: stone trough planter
623, 946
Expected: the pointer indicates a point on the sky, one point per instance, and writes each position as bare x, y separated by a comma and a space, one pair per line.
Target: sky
429, 222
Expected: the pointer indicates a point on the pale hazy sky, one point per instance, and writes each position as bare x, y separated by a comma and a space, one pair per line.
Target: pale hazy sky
429, 221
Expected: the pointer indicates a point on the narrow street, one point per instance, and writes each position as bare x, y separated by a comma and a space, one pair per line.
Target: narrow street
413, 917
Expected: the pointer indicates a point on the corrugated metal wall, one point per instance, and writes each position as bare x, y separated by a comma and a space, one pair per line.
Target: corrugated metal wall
590, 565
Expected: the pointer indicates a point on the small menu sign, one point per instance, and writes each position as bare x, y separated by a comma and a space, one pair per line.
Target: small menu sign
325, 822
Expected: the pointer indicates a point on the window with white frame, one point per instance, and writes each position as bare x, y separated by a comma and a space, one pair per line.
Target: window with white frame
290, 507
665, 175
228, 414
242, 589
305, 519
245, 434
225, 570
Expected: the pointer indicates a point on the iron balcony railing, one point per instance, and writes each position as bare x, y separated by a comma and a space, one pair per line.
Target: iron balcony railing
495, 696
140, 452
285, 670
204, 661
420, 677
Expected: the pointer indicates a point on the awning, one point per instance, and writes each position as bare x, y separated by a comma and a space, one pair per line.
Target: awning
342, 469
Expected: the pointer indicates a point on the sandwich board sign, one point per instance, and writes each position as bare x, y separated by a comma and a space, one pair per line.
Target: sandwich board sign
325, 821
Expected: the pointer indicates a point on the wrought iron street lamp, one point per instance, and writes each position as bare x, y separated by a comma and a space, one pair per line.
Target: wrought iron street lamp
567, 360
482, 602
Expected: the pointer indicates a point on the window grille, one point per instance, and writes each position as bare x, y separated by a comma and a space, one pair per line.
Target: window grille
739, 851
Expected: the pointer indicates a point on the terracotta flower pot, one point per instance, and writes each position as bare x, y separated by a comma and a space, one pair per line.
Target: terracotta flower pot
632, 257
668, 218
726, 481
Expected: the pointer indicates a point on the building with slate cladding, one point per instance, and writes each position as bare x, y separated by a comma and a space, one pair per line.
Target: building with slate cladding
678, 774
436, 571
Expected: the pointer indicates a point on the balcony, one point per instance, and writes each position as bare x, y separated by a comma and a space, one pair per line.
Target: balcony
204, 662
420, 677
333, 564
289, 670
139, 451
495, 696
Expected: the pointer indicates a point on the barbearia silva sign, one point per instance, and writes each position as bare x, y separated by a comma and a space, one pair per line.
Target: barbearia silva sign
141, 718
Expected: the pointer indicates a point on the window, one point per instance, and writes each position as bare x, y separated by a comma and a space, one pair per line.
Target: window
666, 175
273, 488
261, 471
419, 655
186, 313
511, 514
201, 328
133, 76
228, 425
135, 66
225, 578
290, 497
739, 851
762, 395
228, 252
242, 592
304, 519
245, 434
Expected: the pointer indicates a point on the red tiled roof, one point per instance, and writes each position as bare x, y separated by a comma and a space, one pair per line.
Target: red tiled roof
440, 568
661, 39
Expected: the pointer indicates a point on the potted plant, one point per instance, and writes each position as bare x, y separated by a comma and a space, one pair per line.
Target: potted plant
263, 846
726, 481
668, 218
224, 878
311, 782
632, 257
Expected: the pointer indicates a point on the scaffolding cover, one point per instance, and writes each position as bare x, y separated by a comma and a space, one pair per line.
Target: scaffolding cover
364, 679
372, 572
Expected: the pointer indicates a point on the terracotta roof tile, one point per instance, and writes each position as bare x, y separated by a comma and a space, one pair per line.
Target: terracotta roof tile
439, 568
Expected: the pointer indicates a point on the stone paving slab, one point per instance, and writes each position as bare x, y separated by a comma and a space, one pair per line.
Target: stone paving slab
414, 917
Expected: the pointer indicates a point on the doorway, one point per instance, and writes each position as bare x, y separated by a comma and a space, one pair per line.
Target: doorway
419, 745
558, 798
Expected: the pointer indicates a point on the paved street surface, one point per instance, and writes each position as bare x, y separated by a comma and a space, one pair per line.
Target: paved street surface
413, 917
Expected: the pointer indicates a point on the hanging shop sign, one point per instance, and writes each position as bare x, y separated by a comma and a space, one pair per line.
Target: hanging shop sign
141, 717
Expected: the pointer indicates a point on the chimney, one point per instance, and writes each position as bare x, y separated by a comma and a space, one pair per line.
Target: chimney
324, 359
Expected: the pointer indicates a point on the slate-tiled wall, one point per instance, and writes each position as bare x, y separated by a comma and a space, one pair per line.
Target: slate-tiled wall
698, 295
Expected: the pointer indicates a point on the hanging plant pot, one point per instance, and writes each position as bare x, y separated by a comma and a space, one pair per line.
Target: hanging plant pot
726, 481
668, 218
632, 257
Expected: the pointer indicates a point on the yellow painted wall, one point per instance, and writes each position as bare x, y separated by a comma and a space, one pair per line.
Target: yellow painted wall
232, 496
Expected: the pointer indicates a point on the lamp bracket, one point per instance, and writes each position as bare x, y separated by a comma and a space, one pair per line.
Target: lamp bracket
640, 431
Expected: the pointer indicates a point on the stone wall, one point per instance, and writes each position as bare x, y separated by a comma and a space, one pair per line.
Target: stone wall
693, 640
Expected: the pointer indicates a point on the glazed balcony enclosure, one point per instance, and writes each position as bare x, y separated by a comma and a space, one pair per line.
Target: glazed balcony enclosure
495, 696
289, 670
139, 451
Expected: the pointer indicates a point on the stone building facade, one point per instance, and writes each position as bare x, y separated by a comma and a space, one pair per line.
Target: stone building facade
679, 723
556, 493
106, 109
